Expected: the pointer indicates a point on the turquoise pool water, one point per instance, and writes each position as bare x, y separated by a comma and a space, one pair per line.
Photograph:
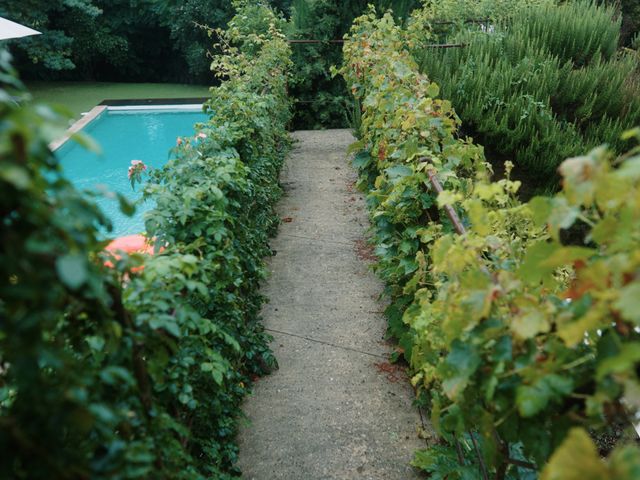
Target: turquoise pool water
125, 135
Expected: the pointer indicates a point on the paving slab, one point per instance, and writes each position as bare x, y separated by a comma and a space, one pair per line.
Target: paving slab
335, 409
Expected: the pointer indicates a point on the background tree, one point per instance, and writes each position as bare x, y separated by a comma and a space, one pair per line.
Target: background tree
60, 21
191, 43
323, 100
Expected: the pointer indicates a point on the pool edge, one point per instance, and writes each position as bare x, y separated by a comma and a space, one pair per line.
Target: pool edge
188, 107
94, 113
185, 104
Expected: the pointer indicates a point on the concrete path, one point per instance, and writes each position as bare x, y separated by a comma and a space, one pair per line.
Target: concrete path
336, 409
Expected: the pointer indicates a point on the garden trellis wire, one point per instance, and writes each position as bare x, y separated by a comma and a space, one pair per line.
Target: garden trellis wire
439, 22
313, 42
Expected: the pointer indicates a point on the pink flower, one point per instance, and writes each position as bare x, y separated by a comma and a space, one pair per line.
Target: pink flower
178, 141
135, 171
138, 165
201, 135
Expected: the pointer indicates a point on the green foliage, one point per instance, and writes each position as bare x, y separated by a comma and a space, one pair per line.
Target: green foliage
109, 39
65, 384
90, 39
576, 32
462, 10
53, 48
322, 100
138, 371
541, 85
185, 21
624, 463
630, 10
517, 340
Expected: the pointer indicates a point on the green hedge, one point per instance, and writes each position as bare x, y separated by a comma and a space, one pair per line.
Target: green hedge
518, 342
128, 373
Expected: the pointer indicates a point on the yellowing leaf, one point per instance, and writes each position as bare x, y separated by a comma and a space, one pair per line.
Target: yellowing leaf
440, 250
561, 216
476, 306
625, 463
632, 133
578, 177
447, 197
630, 169
540, 209
408, 123
565, 256
531, 269
433, 90
478, 216
572, 332
17, 176
576, 459
529, 324
605, 229
628, 302
610, 192
621, 363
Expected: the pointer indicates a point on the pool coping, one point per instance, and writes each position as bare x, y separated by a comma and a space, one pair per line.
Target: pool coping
135, 102
181, 104
176, 107
77, 126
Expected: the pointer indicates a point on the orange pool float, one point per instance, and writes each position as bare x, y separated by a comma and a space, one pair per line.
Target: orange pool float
129, 244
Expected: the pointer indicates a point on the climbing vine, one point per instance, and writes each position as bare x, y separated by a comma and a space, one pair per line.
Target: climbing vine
137, 370
521, 332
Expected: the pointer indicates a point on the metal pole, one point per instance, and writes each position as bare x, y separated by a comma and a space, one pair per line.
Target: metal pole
314, 42
451, 213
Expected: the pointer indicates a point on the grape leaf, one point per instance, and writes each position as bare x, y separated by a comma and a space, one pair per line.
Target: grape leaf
576, 459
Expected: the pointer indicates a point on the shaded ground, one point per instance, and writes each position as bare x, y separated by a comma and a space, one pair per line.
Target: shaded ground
80, 97
336, 409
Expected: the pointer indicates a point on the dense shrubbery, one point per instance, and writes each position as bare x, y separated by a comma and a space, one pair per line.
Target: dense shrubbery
541, 85
123, 373
323, 101
518, 342
630, 10
109, 40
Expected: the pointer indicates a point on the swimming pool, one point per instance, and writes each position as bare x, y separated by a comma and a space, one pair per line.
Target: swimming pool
125, 135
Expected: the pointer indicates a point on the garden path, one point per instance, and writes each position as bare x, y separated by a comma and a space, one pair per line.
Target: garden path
336, 409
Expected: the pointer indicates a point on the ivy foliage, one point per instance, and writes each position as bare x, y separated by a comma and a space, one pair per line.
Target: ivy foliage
518, 341
138, 371
538, 83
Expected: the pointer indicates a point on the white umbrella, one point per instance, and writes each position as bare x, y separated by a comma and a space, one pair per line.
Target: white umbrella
9, 29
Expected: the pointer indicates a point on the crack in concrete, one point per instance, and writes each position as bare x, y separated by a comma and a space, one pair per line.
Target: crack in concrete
334, 345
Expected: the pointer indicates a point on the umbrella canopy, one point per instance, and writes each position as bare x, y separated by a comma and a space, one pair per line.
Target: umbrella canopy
9, 29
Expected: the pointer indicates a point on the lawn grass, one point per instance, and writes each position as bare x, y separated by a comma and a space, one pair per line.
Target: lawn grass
81, 97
